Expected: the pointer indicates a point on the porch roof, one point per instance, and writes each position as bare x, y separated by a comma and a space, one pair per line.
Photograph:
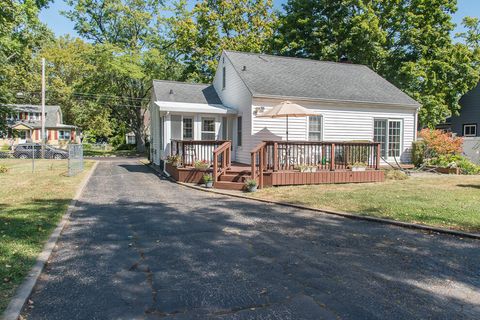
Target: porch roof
184, 107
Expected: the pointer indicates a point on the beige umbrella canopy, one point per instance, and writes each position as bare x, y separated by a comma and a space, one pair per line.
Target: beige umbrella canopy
287, 109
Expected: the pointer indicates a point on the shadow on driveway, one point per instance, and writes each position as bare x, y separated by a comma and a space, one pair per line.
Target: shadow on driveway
140, 247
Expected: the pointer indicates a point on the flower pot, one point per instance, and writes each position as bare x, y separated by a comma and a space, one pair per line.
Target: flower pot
252, 189
209, 184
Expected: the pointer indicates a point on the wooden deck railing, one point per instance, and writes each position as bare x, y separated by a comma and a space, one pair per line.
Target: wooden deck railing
195, 150
221, 160
258, 163
283, 155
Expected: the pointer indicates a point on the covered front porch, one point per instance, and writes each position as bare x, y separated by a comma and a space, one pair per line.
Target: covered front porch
275, 163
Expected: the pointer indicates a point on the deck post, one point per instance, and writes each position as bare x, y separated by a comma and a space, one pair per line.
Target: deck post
260, 168
183, 154
253, 165
275, 156
332, 158
215, 167
379, 150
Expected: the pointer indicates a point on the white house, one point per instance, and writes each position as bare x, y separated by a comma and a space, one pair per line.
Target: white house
352, 103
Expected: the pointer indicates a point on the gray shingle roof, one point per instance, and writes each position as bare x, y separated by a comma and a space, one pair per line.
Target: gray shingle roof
51, 120
268, 75
185, 92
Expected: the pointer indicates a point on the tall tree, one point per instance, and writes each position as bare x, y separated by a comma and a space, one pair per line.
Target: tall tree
124, 33
406, 41
200, 34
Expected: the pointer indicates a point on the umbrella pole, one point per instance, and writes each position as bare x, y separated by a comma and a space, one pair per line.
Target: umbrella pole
288, 149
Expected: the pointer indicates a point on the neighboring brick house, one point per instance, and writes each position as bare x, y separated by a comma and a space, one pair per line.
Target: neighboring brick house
24, 125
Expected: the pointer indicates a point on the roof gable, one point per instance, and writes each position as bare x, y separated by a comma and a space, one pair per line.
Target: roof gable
276, 76
174, 91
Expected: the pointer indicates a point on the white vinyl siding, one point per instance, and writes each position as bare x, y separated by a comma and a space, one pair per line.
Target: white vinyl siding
341, 122
236, 96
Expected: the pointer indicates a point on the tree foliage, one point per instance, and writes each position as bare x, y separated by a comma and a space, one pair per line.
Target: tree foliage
407, 42
200, 34
124, 57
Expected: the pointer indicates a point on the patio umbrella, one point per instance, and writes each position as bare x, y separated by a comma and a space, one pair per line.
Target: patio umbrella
287, 109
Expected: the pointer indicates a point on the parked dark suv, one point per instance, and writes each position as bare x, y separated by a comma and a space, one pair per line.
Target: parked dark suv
24, 151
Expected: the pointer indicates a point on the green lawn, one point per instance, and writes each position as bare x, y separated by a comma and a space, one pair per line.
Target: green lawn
31, 205
111, 153
438, 200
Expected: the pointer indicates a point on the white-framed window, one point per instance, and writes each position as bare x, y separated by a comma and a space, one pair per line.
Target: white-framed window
208, 128
131, 139
315, 128
470, 130
63, 134
389, 133
187, 131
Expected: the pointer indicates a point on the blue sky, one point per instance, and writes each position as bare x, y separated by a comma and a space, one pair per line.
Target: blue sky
61, 25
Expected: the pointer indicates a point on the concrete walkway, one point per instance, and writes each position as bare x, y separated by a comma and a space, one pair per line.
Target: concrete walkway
139, 247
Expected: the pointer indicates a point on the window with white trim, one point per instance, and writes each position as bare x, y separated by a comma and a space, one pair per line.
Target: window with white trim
208, 128
315, 128
63, 134
470, 130
187, 128
389, 133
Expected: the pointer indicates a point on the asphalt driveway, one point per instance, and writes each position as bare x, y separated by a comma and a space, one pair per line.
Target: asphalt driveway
140, 247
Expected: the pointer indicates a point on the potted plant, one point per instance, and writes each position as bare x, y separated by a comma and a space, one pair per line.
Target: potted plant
208, 180
359, 166
251, 185
201, 165
174, 160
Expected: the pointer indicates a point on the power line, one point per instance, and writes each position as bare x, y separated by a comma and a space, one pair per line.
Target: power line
94, 95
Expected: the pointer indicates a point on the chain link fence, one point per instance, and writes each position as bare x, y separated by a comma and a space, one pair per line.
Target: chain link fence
34, 152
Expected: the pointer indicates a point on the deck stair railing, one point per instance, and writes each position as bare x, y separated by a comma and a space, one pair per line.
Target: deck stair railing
258, 163
222, 160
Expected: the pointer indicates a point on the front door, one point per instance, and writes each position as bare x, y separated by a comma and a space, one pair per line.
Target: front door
389, 133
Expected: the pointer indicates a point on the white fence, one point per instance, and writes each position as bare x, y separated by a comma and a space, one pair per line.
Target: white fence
471, 148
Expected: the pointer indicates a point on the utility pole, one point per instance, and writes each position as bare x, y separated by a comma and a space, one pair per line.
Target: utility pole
43, 109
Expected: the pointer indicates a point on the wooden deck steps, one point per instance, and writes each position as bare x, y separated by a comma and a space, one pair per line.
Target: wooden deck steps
234, 178
227, 185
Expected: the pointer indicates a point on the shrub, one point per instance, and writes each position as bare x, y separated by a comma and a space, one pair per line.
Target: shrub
418, 153
455, 161
125, 146
3, 168
438, 142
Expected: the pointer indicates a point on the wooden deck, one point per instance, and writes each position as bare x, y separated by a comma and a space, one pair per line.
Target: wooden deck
235, 176
278, 163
